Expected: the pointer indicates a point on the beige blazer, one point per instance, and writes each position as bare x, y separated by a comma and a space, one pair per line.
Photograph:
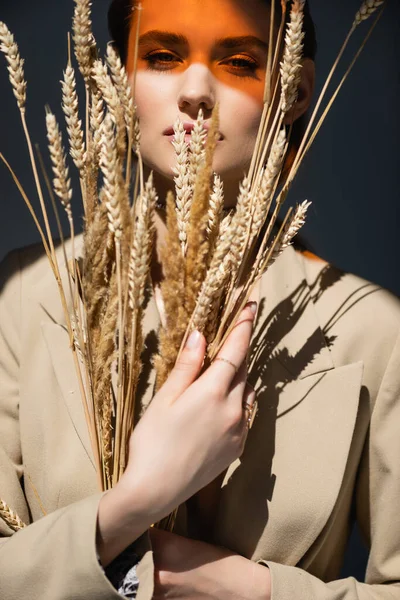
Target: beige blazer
326, 364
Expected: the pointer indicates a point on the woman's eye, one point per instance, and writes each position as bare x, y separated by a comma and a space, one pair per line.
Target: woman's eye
242, 66
160, 60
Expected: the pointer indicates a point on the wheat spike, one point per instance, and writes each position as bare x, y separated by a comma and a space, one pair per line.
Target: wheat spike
268, 181
74, 124
198, 251
290, 231
182, 183
367, 8
112, 174
121, 82
96, 119
240, 223
216, 204
292, 58
83, 37
15, 64
197, 148
110, 95
142, 246
217, 275
61, 181
215, 212
10, 517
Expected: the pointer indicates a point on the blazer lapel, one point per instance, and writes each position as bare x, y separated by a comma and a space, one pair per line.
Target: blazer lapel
280, 488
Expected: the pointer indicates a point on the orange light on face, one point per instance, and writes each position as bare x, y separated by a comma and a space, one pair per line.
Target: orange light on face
229, 37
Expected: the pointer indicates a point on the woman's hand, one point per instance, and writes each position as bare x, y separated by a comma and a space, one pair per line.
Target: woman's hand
194, 428
189, 569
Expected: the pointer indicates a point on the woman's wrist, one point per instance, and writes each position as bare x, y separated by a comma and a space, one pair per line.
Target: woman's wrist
120, 522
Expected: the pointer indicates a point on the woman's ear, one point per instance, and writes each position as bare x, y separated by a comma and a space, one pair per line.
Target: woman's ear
306, 92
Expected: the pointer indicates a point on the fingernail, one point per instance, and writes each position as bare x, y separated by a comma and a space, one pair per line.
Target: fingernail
252, 306
193, 340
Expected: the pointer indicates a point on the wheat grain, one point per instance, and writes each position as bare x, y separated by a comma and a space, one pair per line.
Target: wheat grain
367, 9
292, 58
74, 124
112, 174
183, 190
15, 64
61, 181
10, 517
83, 37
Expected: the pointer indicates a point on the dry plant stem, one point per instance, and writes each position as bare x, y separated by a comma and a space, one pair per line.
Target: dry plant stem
39, 190
268, 102
268, 85
131, 128
56, 271
10, 517
334, 96
44, 512
31, 210
300, 155
72, 289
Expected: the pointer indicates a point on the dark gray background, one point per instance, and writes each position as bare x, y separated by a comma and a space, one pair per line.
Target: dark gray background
351, 174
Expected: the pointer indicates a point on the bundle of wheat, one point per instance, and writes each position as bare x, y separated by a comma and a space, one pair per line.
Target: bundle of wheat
211, 260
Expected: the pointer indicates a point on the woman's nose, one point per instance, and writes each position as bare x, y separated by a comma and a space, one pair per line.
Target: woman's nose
197, 90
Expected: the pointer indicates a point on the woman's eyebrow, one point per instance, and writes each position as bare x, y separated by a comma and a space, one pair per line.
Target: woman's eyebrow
168, 37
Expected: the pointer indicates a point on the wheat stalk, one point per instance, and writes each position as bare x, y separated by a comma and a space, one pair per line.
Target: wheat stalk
74, 124
83, 37
122, 85
197, 148
292, 59
268, 182
96, 119
110, 95
291, 230
15, 64
215, 211
61, 181
182, 180
112, 173
10, 517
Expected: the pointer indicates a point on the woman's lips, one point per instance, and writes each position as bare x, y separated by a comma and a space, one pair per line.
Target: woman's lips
188, 138
169, 132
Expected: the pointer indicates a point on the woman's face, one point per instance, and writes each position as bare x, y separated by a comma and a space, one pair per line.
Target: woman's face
217, 53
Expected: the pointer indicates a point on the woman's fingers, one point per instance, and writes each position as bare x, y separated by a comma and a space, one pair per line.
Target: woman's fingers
227, 367
187, 367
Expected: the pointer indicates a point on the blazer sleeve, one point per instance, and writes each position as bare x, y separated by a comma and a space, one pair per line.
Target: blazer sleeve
54, 558
378, 514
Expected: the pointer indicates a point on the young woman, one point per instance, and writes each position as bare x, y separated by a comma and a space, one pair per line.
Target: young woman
324, 362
